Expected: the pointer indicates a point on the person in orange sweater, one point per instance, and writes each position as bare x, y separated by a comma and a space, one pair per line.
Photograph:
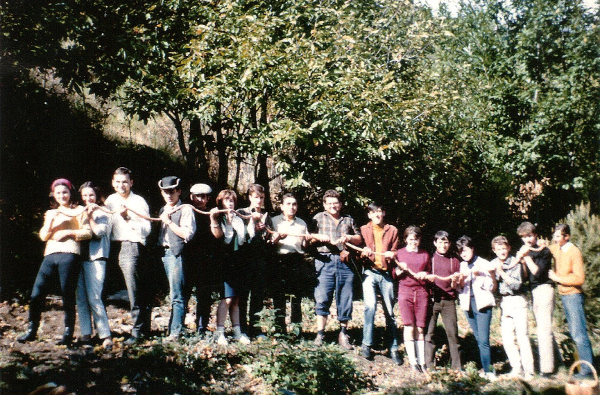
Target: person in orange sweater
65, 225
569, 275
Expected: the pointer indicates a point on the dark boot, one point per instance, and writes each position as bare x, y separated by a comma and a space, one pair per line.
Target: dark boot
31, 333
67, 337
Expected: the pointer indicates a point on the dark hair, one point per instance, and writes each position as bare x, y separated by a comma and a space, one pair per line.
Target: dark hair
256, 188
564, 229
288, 195
412, 230
526, 228
123, 171
66, 183
225, 193
500, 240
96, 188
441, 234
332, 193
374, 206
464, 241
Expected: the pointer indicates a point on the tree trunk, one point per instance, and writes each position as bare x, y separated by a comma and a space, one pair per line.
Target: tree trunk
198, 163
262, 176
217, 127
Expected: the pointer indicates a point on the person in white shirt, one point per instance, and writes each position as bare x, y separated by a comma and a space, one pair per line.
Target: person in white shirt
288, 276
130, 230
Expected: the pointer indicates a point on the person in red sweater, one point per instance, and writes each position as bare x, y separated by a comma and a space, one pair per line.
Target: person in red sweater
381, 243
414, 264
443, 264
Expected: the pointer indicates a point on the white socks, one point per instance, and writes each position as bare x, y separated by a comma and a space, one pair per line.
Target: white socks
237, 332
420, 346
410, 351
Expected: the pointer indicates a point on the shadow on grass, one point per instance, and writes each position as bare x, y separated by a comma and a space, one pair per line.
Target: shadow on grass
157, 369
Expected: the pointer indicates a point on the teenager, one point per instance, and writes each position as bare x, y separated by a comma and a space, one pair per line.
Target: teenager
444, 293
201, 271
514, 320
413, 295
570, 276
230, 229
93, 270
287, 274
129, 232
256, 254
62, 231
331, 229
538, 262
381, 243
478, 282
177, 227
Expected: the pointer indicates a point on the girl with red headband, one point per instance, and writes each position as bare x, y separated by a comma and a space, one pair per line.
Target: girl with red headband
65, 225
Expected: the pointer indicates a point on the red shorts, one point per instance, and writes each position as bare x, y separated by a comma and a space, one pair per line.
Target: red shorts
414, 306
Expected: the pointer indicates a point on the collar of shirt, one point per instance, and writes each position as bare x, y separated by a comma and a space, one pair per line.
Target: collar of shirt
566, 246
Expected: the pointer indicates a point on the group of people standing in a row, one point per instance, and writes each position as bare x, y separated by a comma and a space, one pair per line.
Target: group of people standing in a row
243, 252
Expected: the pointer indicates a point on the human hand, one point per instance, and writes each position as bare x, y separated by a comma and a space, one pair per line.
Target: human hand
389, 254
552, 276
366, 252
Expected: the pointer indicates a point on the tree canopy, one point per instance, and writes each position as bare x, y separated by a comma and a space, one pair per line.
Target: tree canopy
452, 121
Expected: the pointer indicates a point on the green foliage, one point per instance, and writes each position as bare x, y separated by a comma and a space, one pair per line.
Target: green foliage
585, 234
306, 369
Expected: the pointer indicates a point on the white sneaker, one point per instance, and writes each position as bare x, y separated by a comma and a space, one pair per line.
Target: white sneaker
243, 339
528, 376
491, 376
222, 340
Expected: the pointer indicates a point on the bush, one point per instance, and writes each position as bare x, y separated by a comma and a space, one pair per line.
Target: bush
306, 369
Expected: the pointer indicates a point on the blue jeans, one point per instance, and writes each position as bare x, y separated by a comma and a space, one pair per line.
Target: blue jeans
333, 275
479, 321
176, 277
373, 283
89, 298
573, 305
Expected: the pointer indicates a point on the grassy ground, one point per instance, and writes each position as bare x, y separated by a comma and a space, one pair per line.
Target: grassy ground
280, 363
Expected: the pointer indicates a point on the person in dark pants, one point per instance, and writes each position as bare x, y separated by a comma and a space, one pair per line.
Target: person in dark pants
288, 276
130, 231
65, 225
443, 264
256, 254
202, 272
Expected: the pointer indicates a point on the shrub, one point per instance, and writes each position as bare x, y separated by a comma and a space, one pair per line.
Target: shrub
306, 369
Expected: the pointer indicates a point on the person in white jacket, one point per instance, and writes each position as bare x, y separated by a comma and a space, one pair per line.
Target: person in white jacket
476, 298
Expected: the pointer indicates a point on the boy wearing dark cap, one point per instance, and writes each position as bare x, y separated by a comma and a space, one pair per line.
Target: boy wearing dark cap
177, 227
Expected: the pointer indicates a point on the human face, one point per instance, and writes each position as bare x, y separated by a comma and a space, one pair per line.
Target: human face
560, 238
228, 203
122, 184
501, 251
412, 242
289, 207
171, 196
529, 239
467, 253
256, 200
62, 195
88, 195
200, 200
377, 217
333, 206
442, 246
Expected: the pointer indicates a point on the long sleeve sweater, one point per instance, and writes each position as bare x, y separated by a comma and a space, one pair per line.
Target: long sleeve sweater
79, 224
569, 268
